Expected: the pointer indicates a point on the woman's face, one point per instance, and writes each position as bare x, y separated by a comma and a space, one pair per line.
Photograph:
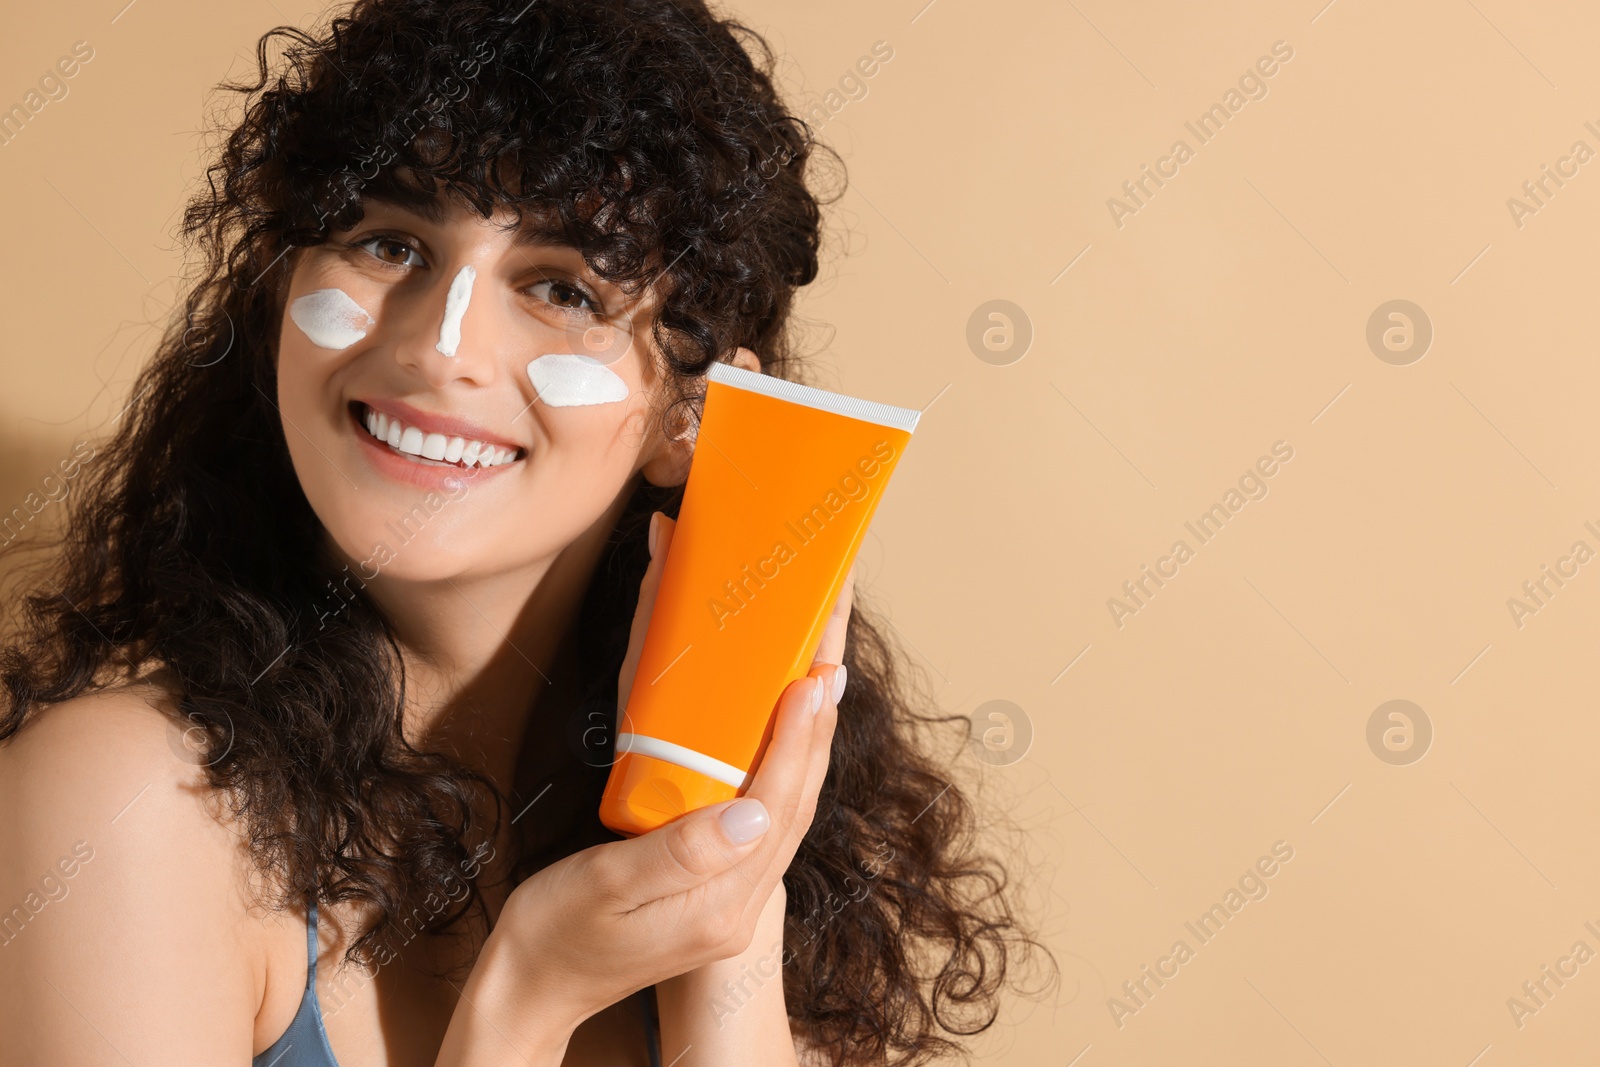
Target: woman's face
483, 464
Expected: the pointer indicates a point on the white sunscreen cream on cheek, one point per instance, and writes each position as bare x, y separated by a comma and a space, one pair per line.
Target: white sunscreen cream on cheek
568, 379
330, 318
455, 306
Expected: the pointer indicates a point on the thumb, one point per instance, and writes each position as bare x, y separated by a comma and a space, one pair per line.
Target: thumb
696, 847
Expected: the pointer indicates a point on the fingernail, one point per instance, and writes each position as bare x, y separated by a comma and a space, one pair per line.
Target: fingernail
652, 538
838, 683
745, 820
816, 696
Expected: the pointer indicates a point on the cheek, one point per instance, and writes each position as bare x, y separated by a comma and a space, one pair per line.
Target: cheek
308, 440
595, 415
323, 324
572, 379
589, 455
313, 422
330, 318
598, 437
304, 373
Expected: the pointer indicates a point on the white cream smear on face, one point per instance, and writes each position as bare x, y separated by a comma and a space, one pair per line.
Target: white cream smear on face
567, 379
330, 318
455, 306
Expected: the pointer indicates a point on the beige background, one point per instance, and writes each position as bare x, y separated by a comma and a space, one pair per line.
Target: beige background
1227, 314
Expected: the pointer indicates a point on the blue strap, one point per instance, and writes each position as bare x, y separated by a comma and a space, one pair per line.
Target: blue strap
311, 942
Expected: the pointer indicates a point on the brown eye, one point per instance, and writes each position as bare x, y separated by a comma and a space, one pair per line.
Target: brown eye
564, 295
390, 250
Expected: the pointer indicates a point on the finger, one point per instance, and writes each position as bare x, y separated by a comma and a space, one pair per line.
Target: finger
833, 678
816, 769
831, 648
648, 587
779, 778
696, 847
787, 779
756, 876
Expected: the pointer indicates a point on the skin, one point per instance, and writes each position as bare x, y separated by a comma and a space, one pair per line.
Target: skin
483, 596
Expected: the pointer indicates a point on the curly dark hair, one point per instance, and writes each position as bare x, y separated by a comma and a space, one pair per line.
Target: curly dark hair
643, 134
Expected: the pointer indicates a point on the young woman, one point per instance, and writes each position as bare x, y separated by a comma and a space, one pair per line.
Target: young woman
300, 762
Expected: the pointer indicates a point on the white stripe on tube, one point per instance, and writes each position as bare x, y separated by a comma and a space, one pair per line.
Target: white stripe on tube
709, 766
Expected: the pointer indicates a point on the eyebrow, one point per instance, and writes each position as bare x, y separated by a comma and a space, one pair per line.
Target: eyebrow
433, 211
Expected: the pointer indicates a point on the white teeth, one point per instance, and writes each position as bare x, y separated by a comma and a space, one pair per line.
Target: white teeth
435, 446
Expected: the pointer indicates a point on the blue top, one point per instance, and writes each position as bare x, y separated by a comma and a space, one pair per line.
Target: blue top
305, 1043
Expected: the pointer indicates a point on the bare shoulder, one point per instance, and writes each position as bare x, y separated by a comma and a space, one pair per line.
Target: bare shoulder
95, 759
123, 891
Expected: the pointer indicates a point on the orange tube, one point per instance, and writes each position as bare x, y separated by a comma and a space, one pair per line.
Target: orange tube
784, 481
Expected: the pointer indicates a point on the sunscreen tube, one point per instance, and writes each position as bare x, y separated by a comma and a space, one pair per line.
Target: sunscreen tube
784, 481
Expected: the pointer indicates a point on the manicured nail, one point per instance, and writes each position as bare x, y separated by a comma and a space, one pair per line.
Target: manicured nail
652, 539
745, 820
816, 696
838, 683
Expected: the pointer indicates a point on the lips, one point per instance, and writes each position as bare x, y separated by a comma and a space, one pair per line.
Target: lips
422, 437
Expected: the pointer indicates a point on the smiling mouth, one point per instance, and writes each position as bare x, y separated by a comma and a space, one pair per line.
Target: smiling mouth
431, 449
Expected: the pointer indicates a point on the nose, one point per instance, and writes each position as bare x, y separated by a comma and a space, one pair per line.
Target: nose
449, 328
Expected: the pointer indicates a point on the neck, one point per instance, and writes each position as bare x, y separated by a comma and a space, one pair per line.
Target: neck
480, 653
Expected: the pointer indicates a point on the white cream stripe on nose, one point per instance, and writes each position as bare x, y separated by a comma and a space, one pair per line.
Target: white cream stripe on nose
455, 306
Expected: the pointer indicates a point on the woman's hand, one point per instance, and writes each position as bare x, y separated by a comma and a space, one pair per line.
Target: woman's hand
732, 1010
599, 925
